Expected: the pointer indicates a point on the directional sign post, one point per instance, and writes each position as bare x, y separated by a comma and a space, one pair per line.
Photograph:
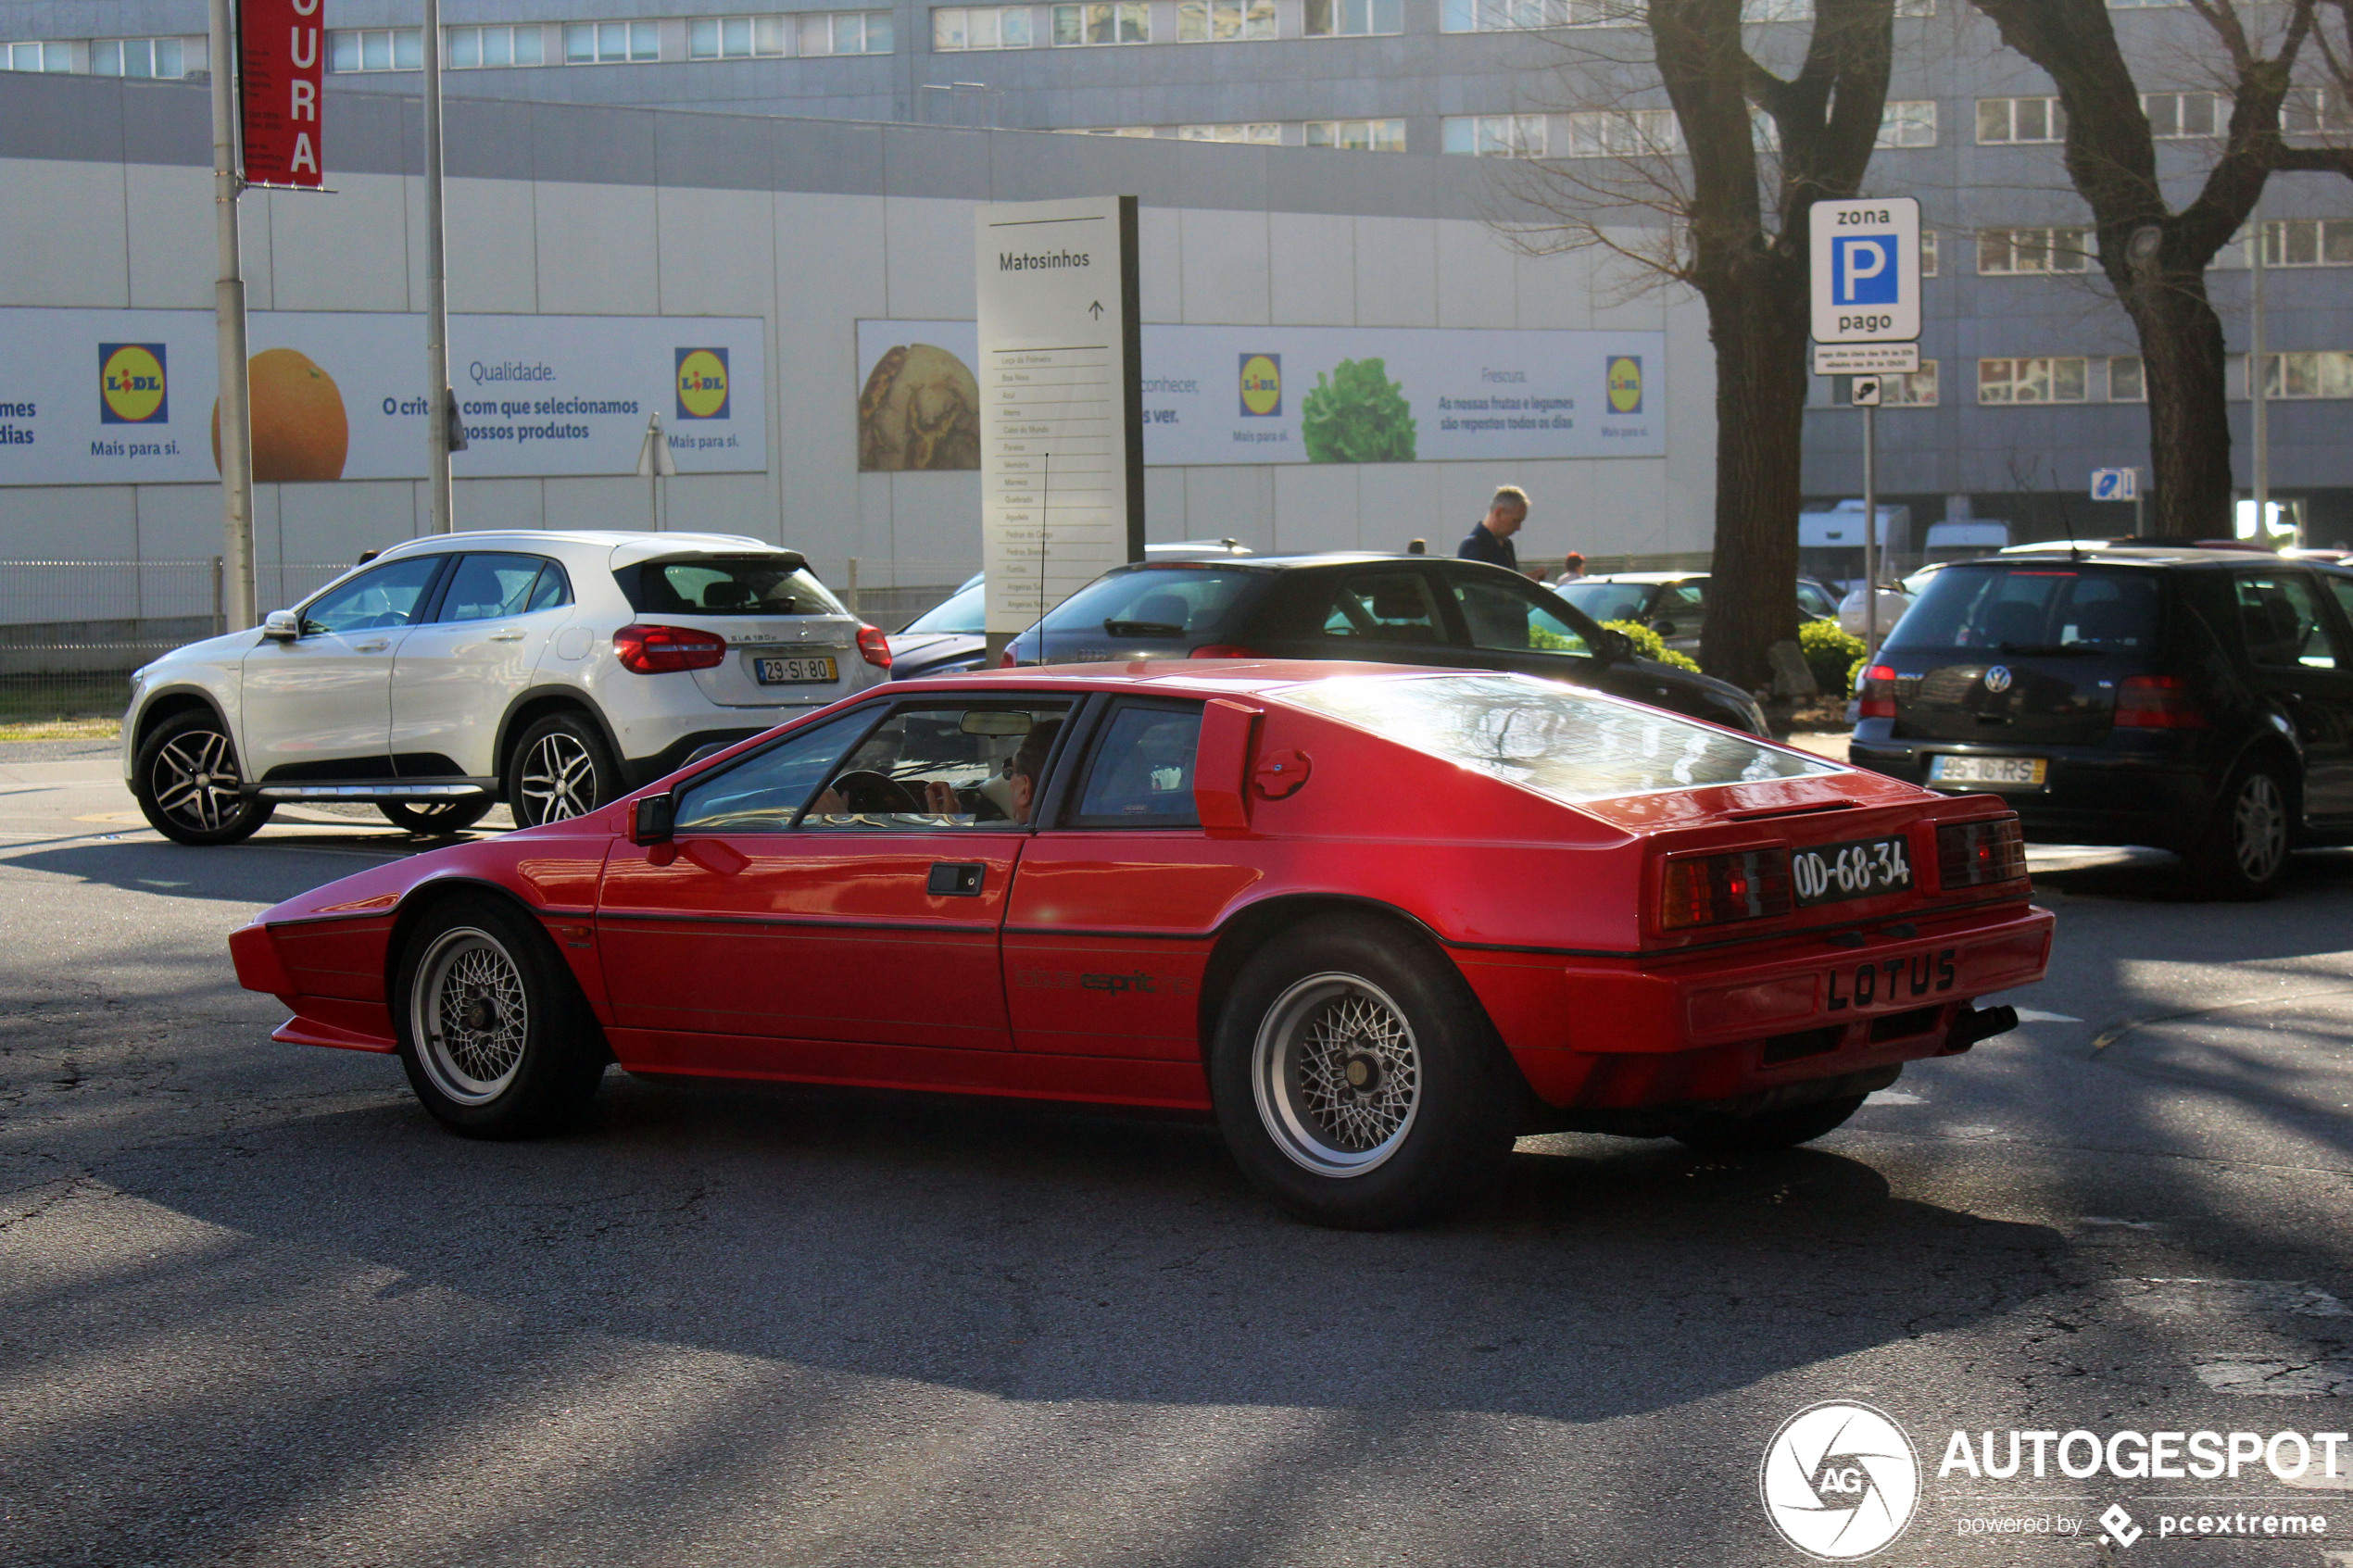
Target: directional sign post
2120, 484
1867, 319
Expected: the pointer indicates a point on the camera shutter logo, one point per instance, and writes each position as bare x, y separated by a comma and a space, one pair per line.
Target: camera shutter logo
702, 383
1625, 384
130, 384
1840, 1481
1261, 385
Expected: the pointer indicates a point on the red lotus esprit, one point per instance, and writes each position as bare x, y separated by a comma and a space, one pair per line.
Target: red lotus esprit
1379, 920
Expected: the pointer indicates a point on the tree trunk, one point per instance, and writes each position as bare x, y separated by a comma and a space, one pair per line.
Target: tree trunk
2182, 360
1757, 322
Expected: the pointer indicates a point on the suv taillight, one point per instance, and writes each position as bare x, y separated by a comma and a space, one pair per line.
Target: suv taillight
1973, 854
1877, 691
1221, 650
1712, 889
874, 647
656, 650
2157, 702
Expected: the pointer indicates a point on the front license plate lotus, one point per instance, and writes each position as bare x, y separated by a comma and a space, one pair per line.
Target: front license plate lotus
1859, 868
793, 672
2011, 773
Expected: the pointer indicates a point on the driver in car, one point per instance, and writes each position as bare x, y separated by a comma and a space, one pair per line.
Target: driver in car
1005, 796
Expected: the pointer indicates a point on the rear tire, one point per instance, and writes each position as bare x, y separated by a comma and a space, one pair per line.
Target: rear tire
495, 1035
451, 816
1357, 1080
2245, 847
1769, 1130
560, 768
188, 785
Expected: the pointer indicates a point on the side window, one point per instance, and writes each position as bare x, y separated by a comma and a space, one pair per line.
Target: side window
943, 766
1813, 602
373, 600
1382, 606
1502, 616
2343, 588
2283, 623
553, 591
766, 790
1141, 774
490, 587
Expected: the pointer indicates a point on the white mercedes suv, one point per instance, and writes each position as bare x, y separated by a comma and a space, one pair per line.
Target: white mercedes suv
553, 671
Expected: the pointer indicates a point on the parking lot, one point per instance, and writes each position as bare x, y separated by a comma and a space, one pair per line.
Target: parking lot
255, 1308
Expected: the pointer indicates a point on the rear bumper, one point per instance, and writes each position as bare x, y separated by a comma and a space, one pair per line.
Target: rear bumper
1626, 1035
2089, 796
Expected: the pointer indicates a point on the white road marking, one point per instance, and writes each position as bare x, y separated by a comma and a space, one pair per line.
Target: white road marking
2036, 1015
2129, 1224
2217, 1297
1893, 1097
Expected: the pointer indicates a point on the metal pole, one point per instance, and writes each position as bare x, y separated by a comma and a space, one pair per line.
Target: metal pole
229, 328
1870, 529
2258, 389
850, 588
219, 618
437, 289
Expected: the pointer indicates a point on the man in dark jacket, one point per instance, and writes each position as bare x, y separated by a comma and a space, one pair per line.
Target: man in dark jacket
1491, 537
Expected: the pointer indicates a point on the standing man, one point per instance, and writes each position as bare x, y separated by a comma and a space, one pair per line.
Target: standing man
1572, 570
1491, 537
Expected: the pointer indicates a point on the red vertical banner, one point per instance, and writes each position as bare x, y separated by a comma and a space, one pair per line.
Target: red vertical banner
281, 70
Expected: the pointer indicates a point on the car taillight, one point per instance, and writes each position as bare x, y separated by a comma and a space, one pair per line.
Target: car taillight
2157, 702
1711, 889
874, 645
1973, 854
1878, 693
1222, 650
655, 650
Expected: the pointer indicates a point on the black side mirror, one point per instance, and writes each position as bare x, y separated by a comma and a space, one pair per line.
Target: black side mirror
654, 819
1613, 647
1663, 627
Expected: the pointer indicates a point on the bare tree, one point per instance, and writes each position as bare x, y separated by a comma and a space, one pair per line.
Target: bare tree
2154, 257
1754, 150
2326, 111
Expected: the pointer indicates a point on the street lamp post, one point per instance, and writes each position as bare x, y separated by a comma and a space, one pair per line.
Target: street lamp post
443, 418
229, 327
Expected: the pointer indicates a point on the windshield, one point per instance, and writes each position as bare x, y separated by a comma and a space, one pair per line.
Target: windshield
1559, 741
1607, 601
1156, 603
963, 615
2032, 608
723, 585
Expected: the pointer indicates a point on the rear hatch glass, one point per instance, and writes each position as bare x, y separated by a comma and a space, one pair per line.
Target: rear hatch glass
788, 640
1607, 601
2023, 655
1153, 611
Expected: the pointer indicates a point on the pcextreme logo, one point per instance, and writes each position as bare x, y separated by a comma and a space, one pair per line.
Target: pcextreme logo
130, 384
1840, 1480
1626, 383
702, 383
1261, 385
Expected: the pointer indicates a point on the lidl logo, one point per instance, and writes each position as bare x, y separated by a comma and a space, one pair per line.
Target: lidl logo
130, 384
1626, 383
1261, 385
702, 383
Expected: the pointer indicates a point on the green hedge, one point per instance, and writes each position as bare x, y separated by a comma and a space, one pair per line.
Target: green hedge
1831, 655
1650, 645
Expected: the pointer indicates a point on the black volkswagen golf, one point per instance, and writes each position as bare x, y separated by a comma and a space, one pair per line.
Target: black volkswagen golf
1389, 609
2193, 700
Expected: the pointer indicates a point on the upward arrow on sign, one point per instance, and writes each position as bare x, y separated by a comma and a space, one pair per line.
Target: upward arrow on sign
1096, 310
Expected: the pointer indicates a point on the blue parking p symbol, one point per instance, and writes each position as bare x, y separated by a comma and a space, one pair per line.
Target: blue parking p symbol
1863, 269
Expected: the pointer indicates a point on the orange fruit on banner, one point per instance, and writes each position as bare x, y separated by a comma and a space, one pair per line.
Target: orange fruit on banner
300, 433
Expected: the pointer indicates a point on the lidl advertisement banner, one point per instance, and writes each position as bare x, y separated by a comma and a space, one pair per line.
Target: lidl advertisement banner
1218, 395
127, 396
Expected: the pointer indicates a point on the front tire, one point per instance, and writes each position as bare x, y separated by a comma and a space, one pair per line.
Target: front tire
2244, 848
496, 1040
560, 768
189, 786
440, 817
1357, 1081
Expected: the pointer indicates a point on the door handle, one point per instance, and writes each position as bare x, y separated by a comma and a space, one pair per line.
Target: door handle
377, 646
956, 880
509, 636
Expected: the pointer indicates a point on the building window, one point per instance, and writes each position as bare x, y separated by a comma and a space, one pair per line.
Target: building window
1909, 124
2007, 252
40, 56
981, 27
1622, 133
1898, 390
2309, 242
375, 48
606, 43
2031, 380
2019, 119
1493, 135
1928, 253
2173, 116
1358, 136
2308, 375
477, 49
1353, 18
2314, 111
739, 38
1263, 134
2127, 380
162, 57
1140, 131
1225, 21
1124, 22
2141, 4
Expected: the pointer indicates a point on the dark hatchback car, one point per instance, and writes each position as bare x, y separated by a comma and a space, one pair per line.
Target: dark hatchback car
1389, 610
2196, 700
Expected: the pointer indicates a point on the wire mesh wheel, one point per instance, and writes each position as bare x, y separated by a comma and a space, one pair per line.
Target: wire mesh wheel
1336, 1074
469, 1015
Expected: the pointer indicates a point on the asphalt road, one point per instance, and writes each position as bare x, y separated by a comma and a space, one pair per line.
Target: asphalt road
256, 1309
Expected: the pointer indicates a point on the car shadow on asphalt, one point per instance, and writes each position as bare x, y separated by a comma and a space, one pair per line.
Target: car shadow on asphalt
261, 871
2153, 876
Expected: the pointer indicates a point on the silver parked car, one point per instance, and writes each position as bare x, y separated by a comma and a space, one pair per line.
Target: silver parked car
554, 671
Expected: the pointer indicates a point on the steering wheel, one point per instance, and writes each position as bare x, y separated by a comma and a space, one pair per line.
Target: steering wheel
865, 791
